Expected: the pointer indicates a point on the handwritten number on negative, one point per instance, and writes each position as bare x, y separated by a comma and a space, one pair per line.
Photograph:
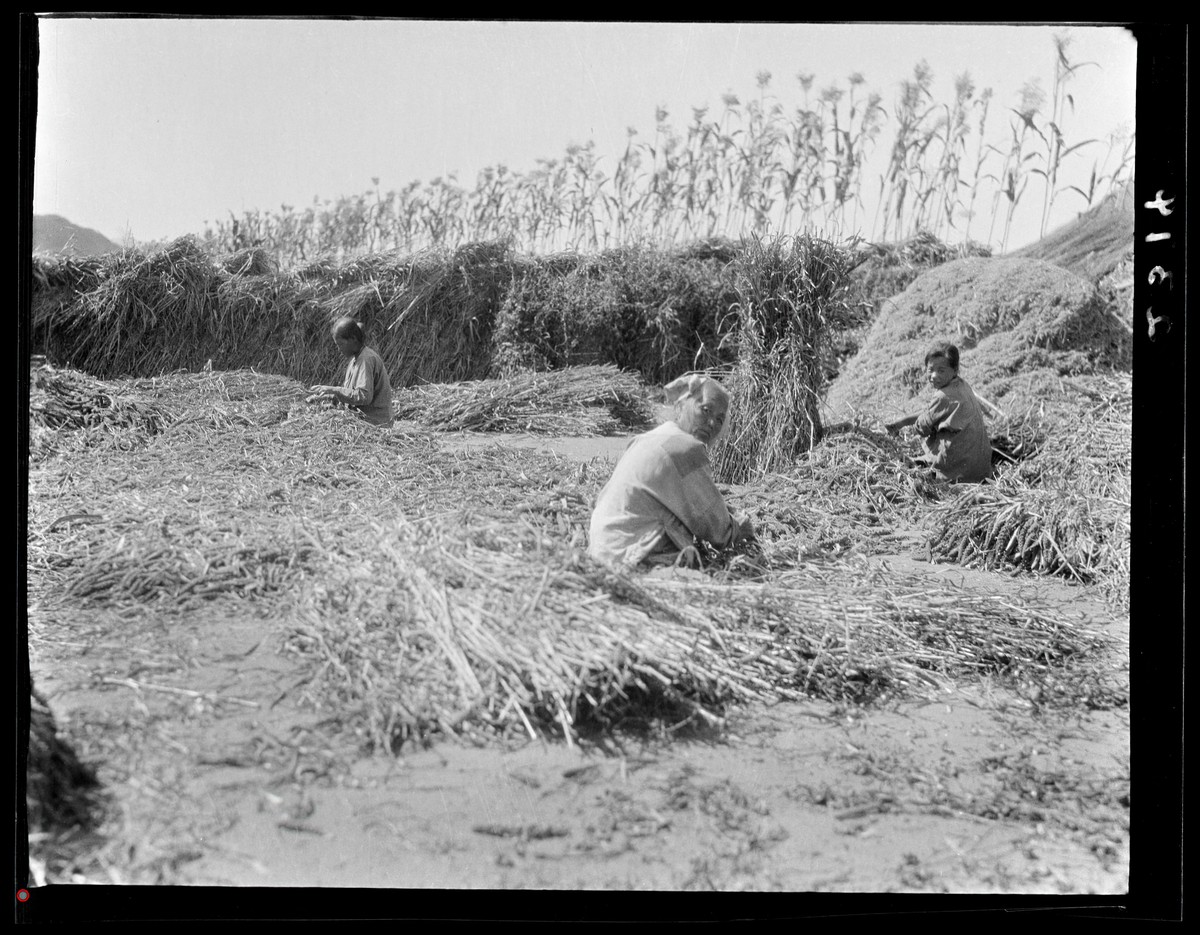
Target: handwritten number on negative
1153, 321
1161, 273
1160, 204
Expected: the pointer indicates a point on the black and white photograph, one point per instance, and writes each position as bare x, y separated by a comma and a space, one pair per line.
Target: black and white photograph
614, 456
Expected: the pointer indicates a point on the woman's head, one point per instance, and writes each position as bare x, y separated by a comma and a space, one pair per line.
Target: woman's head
941, 364
700, 406
348, 336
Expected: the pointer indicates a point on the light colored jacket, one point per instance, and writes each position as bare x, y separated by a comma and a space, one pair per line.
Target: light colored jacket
660, 493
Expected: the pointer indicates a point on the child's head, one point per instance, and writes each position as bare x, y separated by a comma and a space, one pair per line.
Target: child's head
348, 336
941, 364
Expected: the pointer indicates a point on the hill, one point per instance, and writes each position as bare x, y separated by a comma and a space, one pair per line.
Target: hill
55, 234
1095, 243
1021, 324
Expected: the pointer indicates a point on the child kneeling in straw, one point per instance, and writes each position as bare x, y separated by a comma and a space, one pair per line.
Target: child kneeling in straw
953, 434
366, 386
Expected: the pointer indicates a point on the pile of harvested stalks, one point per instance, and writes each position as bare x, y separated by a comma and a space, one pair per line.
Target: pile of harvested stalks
429, 315
434, 316
434, 590
847, 494
589, 400
66, 399
68, 408
648, 310
1063, 510
1019, 325
1047, 531
512, 631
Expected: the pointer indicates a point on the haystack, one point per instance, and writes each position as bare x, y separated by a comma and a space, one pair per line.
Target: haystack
886, 269
790, 293
1093, 244
139, 313
1009, 317
1097, 245
654, 312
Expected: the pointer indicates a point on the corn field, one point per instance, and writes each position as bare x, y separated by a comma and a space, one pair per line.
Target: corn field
842, 161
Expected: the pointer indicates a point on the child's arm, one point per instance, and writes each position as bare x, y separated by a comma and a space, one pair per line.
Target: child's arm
894, 427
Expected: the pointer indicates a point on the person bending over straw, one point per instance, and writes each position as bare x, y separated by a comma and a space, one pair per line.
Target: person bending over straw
661, 496
953, 434
366, 386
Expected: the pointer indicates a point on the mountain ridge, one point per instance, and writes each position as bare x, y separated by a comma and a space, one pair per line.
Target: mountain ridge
53, 233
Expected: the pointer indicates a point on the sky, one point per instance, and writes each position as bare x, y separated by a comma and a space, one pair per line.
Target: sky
150, 128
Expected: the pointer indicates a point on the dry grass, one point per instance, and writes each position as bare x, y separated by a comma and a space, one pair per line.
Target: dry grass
180, 307
588, 400
1095, 242
791, 291
854, 493
1064, 510
435, 316
653, 311
513, 631
435, 591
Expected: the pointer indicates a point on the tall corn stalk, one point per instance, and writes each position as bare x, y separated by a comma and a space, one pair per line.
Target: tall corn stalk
903, 180
748, 169
1064, 71
983, 102
955, 125
1014, 176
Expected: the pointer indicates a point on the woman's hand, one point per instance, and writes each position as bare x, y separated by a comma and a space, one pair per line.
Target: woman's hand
321, 393
743, 529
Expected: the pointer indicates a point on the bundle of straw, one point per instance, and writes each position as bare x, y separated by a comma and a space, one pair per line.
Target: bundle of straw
588, 400
249, 261
1046, 531
509, 630
788, 292
66, 399
53, 272
177, 566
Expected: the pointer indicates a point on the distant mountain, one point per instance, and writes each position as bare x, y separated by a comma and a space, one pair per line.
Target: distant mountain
54, 234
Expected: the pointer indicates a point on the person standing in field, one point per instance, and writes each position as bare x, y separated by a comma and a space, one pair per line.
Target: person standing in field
661, 497
953, 434
366, 386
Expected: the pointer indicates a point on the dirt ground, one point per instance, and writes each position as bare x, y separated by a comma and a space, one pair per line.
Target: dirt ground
220, 778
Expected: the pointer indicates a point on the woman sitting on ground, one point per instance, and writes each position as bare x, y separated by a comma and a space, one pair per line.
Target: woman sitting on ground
366, 386
661, 496
953, 434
